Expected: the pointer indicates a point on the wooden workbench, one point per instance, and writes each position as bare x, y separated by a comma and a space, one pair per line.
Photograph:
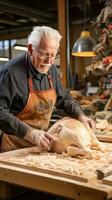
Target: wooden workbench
14, 169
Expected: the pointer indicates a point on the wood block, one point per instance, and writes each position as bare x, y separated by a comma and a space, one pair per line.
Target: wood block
108, 180
104, 138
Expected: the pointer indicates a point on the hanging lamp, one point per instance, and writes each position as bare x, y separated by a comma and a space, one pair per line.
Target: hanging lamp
83, 47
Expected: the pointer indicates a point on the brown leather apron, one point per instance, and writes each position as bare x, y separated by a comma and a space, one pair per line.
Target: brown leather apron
36, 113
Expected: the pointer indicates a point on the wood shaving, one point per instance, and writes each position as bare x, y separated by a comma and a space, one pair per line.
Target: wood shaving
80, 166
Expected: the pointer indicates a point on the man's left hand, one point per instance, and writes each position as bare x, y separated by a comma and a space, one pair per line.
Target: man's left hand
87, 121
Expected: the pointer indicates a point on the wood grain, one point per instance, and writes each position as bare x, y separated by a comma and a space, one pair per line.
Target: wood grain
108, 180
104, 138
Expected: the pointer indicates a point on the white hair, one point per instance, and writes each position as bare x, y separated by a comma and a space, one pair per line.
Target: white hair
43, 31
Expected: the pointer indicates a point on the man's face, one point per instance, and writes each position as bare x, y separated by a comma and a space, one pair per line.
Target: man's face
43, 57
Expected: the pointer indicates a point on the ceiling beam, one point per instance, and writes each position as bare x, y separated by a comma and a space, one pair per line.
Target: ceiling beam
25, 11
10, 22
12, 36
16, 33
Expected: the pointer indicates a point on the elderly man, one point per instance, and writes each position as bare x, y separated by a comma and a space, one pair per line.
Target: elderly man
29, 89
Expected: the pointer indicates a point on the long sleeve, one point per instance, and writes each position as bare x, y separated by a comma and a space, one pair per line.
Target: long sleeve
9, 123
14, 91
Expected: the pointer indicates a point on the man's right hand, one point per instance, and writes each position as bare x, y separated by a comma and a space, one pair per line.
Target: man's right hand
40, 138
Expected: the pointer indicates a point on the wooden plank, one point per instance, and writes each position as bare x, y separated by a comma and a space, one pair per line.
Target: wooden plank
104, 138
108, 180
20, 152
108, 103
81, 168
48, 171
55, 184
104, 171
14, 158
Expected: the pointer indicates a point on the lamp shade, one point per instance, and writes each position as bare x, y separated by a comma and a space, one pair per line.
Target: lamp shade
83, 47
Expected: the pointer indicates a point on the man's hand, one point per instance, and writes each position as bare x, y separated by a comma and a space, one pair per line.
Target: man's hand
87, 121
40, 138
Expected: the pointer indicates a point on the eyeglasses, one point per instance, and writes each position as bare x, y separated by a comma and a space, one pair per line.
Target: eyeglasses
44, 55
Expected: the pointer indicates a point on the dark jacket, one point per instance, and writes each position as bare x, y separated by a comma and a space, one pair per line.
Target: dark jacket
14, 92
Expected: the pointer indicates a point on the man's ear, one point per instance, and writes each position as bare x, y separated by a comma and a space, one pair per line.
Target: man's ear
30, 49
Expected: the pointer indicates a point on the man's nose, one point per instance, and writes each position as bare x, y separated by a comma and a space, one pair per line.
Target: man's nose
49, 59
